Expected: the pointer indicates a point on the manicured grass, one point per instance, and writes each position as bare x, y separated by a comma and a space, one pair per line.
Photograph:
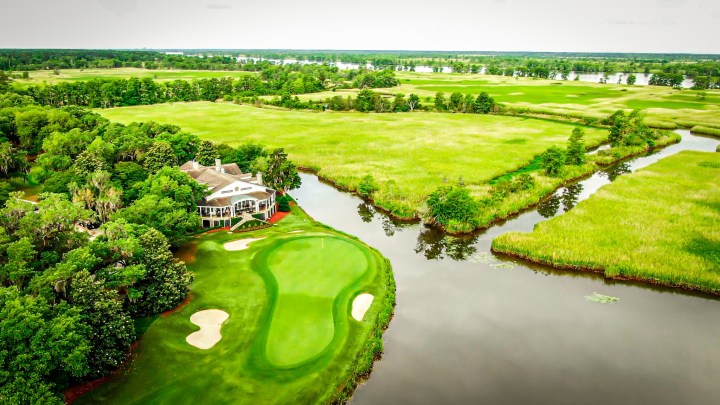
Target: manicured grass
73, 75
409, 154
165, 369
310, 273
660, 224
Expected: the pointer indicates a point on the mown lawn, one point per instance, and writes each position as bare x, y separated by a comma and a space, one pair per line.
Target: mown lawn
660, 224
248, 285
409, 154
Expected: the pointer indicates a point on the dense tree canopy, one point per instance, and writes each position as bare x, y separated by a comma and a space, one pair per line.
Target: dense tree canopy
281, 174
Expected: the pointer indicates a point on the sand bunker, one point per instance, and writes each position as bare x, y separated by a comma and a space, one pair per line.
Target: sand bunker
360, 305
209, 322
240, 244
296, 231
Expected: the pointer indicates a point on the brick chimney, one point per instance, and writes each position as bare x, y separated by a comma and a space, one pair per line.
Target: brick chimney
196, 165
259, 179
218, 166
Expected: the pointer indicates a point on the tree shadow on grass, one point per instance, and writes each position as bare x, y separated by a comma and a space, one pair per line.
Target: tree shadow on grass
703, 246
706, 249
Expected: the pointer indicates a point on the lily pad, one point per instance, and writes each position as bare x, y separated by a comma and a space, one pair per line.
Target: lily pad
603, 299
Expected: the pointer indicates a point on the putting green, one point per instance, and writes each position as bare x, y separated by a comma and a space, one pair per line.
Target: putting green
312, 274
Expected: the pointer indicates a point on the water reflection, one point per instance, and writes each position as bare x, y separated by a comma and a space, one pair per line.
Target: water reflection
390, 226
549, 207
617, 170
435, 244
366, 212
571, 195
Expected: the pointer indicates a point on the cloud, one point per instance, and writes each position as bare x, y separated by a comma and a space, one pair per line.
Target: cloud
119, 8
646, 23
219, 6
620, 22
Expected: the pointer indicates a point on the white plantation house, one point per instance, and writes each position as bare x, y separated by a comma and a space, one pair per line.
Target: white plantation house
233, 194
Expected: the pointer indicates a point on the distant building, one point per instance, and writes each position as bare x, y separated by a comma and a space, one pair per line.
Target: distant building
233, 194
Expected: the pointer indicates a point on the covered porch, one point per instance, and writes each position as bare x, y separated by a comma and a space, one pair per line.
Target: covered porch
221, 211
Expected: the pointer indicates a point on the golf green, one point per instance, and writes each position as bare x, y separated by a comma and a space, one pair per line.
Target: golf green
311, 274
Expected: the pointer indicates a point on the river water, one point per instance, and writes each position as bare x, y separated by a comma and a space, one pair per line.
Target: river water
641, 79
472, 327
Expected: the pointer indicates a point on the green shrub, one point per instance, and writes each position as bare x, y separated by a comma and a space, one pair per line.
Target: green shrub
553, 160
283, 204
367, 186
521, 182
454, 208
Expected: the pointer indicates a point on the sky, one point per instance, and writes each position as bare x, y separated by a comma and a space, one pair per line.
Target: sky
660, 26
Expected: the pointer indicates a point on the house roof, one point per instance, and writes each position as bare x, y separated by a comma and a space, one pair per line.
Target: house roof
230, 168
218, 177
260, 195
215, 181
217, 202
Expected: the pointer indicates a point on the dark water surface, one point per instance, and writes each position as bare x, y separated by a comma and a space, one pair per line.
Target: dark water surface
471, 327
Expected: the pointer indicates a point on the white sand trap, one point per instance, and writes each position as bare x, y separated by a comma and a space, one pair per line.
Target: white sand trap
296, 231
209, 322
361, 304
240, 244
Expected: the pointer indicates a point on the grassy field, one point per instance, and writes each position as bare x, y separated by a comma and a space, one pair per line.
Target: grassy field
409, 154
642, 226
661, 104
664, 106
256, 286
74, 75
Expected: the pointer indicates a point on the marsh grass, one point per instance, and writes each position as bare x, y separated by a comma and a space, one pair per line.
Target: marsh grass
706, 130
409, 154
666, 108
660, 224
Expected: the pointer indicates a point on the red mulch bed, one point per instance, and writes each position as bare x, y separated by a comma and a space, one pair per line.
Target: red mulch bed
278, 216
179, 307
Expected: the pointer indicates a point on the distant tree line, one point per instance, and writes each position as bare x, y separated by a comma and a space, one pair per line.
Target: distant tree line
275, 80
